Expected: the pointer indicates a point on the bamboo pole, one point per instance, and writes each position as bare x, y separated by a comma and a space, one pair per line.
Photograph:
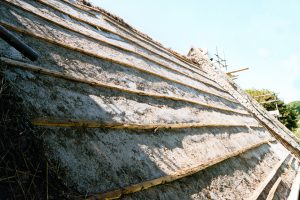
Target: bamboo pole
19, 45
174, 176
96, 55
149, 40
52, 73
282, 139
266, 181
114, 125
295, 189
273, 189
118, 34
238, 70
105, 41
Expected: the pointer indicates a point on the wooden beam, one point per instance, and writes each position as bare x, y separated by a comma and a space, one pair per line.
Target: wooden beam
174, 176
295, 189
96, 55
113, 125
105, 41
261, 187
52, 73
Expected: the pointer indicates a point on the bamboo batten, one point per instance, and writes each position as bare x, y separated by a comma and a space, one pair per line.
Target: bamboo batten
142, 37
96, 124
124, 37
139, 37
52, 73
266, 181
96, 55
295, 189
104, 40
273, 189
175, 176
123, 114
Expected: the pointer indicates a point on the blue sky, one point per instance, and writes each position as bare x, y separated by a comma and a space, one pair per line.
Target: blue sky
261, 34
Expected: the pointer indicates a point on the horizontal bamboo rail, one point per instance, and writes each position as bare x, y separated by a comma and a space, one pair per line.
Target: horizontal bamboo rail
191, 66
105, 41
295, 189
174, 176
118, 34
115, 22
273, 189
261, 187
114, 125
52, 73
96, 55
140, 36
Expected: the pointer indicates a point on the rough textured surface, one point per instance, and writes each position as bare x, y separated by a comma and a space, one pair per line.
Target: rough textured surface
88, 44
279, 130
139, 156
235, 178
70, 38
66, 100
286, 174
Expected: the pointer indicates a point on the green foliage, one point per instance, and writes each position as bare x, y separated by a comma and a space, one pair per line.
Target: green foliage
296, 107
288, 113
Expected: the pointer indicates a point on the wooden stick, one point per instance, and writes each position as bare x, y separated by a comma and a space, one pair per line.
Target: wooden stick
174, 176
149, 41
47, 187
114, 125
96, 55
270, 176
273, 189
103, 40
295, 189
116, 33
235, 71
52, 73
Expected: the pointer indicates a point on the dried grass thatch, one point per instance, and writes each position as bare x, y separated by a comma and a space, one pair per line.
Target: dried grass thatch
24, 171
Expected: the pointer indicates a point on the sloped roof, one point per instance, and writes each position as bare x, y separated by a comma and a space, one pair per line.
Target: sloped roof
122, 115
